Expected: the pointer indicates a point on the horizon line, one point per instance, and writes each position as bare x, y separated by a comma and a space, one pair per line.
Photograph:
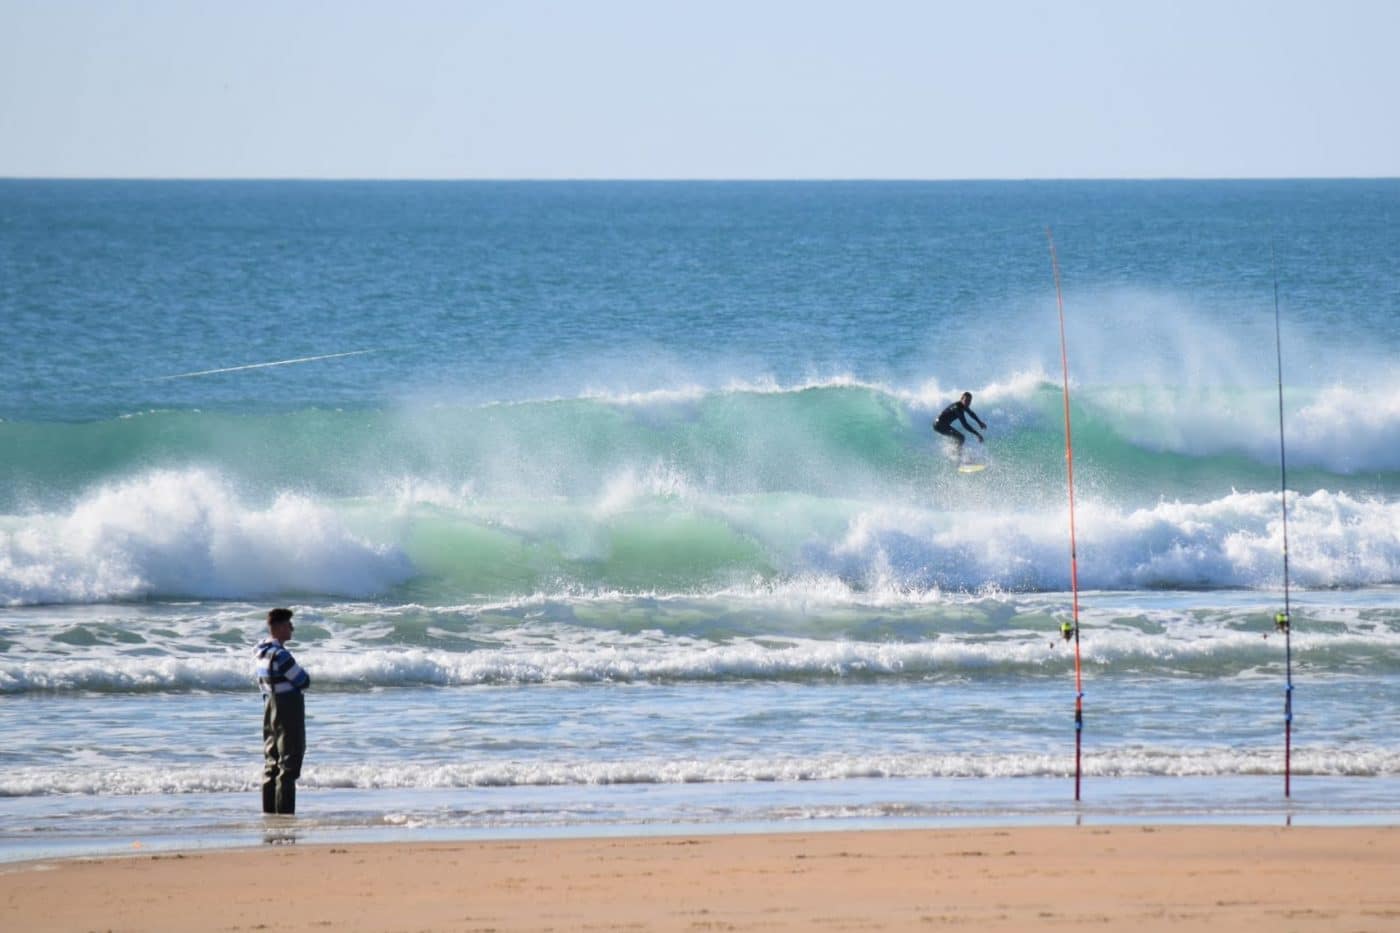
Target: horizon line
601, 179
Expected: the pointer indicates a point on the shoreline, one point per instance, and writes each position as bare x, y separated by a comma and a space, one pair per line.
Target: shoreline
58, 827
1153, 877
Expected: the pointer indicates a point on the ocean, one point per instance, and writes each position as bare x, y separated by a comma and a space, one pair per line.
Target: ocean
611, 507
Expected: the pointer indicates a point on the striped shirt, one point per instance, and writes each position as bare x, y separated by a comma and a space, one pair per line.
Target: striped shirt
278, 671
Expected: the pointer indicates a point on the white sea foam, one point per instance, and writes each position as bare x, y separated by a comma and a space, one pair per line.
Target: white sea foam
173, 533
660, 480
535, 653
1344, 427
1340, 428
1234, 541
1350, 430
929, 394
1207, 761
170, 534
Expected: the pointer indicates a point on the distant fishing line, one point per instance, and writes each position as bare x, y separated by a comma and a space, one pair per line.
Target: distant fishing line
235, 369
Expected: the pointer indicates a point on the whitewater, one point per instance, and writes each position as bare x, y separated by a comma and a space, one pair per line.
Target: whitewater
612, 505
824, 485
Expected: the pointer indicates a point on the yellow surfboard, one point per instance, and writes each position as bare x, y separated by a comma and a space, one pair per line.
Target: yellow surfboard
972, 463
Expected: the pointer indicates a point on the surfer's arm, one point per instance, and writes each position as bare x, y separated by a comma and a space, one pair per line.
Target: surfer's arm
977, 419
963, 418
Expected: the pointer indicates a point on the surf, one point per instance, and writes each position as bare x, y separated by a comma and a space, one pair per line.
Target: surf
692, 490
836, 433
193, 534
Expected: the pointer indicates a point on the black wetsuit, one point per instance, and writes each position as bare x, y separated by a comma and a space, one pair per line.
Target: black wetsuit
957, 412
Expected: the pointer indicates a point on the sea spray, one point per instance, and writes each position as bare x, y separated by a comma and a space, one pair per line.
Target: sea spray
176, 535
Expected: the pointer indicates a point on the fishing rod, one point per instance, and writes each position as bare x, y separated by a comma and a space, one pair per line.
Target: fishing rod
1070, 630
1283, 620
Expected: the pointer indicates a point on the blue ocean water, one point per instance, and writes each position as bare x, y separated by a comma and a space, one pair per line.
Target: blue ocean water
609, 506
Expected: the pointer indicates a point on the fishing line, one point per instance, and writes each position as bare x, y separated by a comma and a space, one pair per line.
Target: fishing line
79, 387
234, 369
1070, 630
1283, 620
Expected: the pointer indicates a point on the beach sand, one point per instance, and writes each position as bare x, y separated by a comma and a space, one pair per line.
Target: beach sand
1113, 878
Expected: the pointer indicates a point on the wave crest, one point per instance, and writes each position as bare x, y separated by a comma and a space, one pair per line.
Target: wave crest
186, 533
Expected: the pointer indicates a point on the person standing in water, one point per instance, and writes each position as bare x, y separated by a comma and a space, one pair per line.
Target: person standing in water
282, 682
958, 411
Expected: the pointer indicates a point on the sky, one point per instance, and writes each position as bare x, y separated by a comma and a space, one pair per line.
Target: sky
644, 89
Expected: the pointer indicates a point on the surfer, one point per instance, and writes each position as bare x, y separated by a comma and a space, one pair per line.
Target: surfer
281, 681
958, 411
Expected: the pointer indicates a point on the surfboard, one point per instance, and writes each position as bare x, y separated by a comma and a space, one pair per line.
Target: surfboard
972, 461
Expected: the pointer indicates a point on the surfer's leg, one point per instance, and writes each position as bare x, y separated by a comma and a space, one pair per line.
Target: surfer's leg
950, 432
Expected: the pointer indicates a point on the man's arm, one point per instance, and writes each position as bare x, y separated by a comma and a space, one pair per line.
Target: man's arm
977, 419
291, 670
962, 417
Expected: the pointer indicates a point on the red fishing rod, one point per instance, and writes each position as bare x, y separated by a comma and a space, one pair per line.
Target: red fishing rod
1070, 630
1283, 620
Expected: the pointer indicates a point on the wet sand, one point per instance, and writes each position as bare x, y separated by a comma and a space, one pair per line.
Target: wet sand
1110, 878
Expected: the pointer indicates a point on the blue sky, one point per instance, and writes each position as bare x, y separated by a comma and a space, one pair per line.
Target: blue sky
712, 89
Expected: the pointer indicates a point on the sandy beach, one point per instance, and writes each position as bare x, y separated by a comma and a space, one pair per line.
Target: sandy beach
1146, 878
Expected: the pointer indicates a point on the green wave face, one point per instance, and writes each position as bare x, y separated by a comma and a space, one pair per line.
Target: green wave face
831, 440
687, 492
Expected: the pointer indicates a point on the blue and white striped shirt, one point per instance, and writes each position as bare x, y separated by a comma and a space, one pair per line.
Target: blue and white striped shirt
278, 671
